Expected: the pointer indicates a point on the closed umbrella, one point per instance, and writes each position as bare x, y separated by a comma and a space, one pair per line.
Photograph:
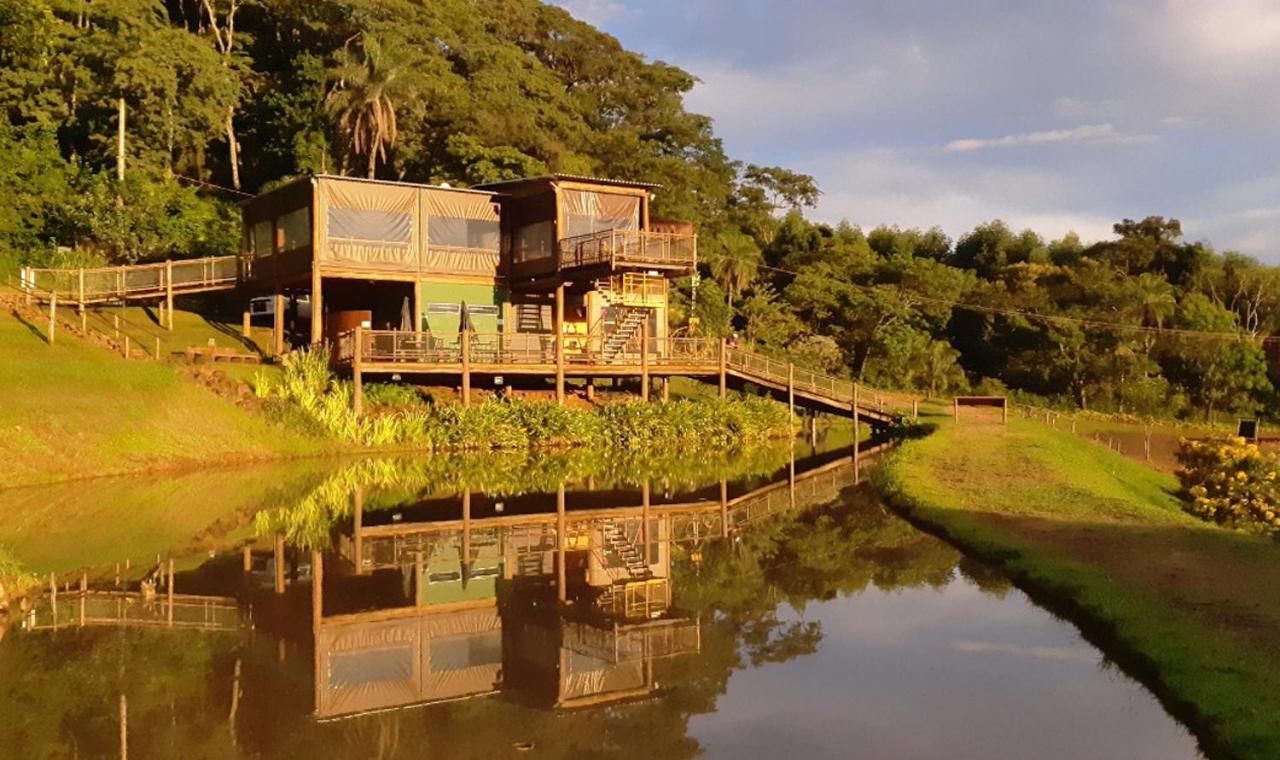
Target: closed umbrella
464, 325
406, 315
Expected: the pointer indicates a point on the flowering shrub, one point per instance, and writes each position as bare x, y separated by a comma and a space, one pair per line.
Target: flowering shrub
1232, 483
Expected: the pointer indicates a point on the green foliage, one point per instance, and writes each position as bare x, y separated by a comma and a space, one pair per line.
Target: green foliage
1232, 483
499, 424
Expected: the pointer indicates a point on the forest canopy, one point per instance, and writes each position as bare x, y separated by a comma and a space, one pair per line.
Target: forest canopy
132, 127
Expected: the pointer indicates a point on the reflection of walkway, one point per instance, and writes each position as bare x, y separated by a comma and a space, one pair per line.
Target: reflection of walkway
131, 609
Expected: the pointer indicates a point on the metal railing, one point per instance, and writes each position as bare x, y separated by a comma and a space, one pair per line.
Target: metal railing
96, 284
634, 247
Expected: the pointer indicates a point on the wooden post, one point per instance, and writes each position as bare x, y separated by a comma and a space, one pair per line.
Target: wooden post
357, 531
53, 315
317, 306
316, 591
170, 591
127, 348
466, 531
124, 704
666, 389
357, 371
955, 408
53, 598
277, 323
644, 361
724, 508
245, 324
84, 593
561, 541
279, 557
157, 348
645, 504
466, 368
724, 363
591, 389
559, 325
82, 298
791, 391
856, 443
813, 429
168, 292
246, 558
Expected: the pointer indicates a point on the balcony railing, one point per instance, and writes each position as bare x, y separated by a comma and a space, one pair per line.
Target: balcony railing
400, 347
629, 248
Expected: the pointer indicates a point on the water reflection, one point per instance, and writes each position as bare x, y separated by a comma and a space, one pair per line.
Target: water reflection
404, 608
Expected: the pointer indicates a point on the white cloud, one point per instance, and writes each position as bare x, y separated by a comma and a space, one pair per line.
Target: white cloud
594, 12
1086, 133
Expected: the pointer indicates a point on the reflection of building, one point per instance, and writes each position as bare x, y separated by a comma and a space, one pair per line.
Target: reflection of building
483, 612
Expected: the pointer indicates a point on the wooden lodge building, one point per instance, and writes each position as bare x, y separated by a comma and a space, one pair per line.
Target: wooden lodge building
502, 259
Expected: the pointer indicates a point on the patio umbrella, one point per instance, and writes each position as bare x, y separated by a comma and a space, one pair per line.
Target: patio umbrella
406, 315
464, 325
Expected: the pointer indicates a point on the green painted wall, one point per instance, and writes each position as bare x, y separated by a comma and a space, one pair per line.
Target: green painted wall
436, 292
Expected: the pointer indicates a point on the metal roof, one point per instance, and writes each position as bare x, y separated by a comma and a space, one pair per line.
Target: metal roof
404, 184
571, 178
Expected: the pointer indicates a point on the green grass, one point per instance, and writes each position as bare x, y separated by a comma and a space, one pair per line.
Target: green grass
1190, 608
73, 409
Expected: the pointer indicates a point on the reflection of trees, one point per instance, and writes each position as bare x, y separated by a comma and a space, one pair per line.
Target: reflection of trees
396, 481
61, 691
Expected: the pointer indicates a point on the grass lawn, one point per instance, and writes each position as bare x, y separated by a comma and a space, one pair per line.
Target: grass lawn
73, 409
1192, 609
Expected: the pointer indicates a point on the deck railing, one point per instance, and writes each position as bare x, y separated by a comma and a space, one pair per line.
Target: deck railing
89, 285
629, 247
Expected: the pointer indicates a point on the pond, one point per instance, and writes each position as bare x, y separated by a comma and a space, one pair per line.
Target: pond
753, 604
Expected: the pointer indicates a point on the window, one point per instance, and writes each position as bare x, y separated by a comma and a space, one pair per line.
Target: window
588, 212
295, 228
453, 232
444, 308
468, 650
358, 668
483, 311
394, 228
260, 241
533, 241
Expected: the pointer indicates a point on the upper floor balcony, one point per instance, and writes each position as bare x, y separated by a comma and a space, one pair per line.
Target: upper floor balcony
613, 251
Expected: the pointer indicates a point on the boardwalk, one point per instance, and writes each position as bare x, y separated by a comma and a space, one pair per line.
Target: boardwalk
501, 354
140, 282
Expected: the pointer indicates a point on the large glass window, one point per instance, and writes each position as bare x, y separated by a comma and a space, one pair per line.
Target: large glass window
587, 212
370, 226
466, 651
260, 238
452, 232
295, 229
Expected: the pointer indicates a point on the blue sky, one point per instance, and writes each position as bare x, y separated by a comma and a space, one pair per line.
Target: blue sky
1050, 114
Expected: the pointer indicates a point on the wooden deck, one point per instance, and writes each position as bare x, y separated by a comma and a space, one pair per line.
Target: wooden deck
365, 352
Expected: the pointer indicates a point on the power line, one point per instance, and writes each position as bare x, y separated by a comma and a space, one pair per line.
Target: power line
1083, 321
213, 186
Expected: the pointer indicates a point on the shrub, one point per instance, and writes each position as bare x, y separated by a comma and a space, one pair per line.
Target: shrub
1232, 483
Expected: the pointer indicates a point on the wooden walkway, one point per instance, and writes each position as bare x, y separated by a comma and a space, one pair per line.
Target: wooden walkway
139, 282
500, 354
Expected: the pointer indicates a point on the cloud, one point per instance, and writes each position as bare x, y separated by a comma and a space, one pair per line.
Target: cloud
594, 12
1073, 654
1086, 133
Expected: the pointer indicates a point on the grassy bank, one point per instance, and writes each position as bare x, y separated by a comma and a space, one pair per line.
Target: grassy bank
1191, 608
74, 409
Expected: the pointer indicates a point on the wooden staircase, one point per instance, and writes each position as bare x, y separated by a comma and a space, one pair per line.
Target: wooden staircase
627, 325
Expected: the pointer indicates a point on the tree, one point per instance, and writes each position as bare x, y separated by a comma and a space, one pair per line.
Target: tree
370, 81
734, 261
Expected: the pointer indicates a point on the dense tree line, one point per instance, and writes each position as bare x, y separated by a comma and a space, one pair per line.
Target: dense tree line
124, 119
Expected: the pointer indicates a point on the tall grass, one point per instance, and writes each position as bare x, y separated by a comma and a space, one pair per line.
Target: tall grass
498, 424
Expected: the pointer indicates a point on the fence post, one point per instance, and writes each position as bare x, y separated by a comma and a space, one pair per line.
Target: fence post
357, 371
724, 362
791, 389
559, 320
53, 315
915, 409
82, 290
644, 361
157, 348
955, 408
853, 407
465, 335
127, 349
277, 324
244, 323
168, 291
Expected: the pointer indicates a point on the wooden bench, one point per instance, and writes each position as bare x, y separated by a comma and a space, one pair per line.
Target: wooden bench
196, 354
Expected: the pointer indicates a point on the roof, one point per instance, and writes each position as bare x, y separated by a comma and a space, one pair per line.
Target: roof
569, 177
405, 184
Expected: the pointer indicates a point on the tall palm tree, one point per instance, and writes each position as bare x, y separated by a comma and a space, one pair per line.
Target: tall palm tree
735, 262
369, 84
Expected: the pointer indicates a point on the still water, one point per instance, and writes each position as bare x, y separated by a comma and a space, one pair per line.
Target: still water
758, 604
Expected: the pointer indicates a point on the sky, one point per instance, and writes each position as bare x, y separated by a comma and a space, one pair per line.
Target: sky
1055, 115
